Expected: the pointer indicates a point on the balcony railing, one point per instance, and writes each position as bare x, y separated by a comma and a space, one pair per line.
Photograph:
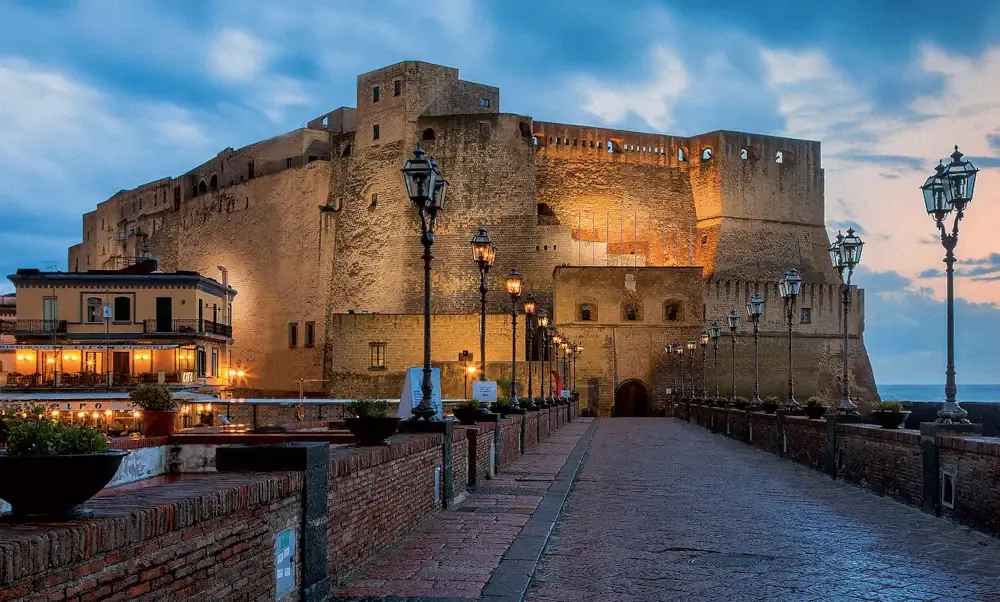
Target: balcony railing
187, 327
28, 327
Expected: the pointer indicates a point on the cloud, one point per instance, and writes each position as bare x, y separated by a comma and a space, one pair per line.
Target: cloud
652, 101
901, 162
237, 55
994, 141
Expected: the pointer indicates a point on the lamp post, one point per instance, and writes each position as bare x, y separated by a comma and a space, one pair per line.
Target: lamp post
734, 324
691, 345
950, 188
715, 332
468, 370
679, 350
668, 349
543, 324
556, 339
704, 371
426, 187
529, 319
484, 252
565, 372
576, 354
845, 254
789, 288
514, 284
755, 309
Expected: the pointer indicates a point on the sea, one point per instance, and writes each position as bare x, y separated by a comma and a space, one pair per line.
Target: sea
985, 393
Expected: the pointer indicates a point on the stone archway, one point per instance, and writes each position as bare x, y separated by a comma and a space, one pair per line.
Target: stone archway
632, 399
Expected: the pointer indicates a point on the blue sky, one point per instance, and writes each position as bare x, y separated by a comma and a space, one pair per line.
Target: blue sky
102, 95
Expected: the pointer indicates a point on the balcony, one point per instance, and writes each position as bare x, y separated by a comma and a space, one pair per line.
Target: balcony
187, 327
32, 327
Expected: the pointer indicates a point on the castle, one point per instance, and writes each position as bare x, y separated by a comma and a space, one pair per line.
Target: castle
316, 232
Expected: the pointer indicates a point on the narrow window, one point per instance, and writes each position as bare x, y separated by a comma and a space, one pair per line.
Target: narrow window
177, 199
631, 312
293, 334
672, 312
375, 132
133, 206
213, 185
250, 170
374, 200
140, 203
310, 334
397, 87
779, 157
485, 102
200, 357
288, 163
376, 94
377, 356
681, 154
706, 154
95, 311
585, 312
805, 315
744, 154
123, 309
215, 362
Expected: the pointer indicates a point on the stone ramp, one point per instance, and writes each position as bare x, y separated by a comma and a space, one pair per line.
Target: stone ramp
487, 547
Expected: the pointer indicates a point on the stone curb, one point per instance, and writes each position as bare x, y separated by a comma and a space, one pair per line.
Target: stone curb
510, 581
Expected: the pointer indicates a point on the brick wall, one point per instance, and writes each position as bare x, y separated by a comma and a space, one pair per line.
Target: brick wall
544, 416
377, 495
459, 464
975, 464
480, 439
530, 430
764, 431
212, 539
510, 440
888, 462
805, 441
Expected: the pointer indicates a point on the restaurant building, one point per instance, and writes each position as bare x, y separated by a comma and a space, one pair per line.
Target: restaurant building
118, 328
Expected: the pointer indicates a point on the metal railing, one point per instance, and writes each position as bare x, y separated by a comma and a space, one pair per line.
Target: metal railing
186, 327
32, 326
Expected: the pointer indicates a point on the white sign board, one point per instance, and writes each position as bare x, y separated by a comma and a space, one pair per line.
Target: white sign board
565, 393
484, 390
412, 396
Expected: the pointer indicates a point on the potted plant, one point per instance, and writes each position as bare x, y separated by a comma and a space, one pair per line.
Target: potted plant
369, 421
466, 411
815, 408
49, 468
528, 404
889, 414
740, 402
502, 406
159, 409
770, 405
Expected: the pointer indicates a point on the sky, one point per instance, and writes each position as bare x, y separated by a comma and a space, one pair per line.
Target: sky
102, 95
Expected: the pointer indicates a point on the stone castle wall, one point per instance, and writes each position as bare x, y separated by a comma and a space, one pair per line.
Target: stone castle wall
324, 226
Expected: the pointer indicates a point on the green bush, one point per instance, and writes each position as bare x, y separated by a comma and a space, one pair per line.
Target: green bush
155, 398
815, 402
771, 399
467, 404
367, 408
48, 437
887, 406
740, 399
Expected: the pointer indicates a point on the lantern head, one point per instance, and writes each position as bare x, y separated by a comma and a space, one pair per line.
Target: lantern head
419, 176
734, 320
960, 181
755, 307
936, 194
483, 250
514, 283
790, 284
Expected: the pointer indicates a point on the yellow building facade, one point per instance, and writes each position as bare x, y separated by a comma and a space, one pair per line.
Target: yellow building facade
119, 328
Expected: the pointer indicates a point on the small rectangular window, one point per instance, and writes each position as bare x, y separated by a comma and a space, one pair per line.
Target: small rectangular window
805, 315
288, 163
310, 334
397, 87
293, 334
374, 199
250, 173
376, 94
215, 362
375, 132
485, 102
377, 356
140, 204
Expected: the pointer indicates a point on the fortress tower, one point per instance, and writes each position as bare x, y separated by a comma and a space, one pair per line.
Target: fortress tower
317, 234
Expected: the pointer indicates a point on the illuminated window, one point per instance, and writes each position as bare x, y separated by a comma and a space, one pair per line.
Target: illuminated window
95, 310
377, 356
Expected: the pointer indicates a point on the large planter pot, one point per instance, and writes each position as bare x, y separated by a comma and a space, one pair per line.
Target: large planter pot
372, 431
466, 416
53, 487
769, 408
815, 412
157, 423
889, 419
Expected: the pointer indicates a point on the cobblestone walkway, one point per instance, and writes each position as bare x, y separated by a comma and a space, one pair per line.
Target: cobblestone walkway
664, 510
453, 554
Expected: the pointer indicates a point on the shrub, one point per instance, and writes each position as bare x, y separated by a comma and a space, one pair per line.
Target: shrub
527, 404
367, 408
741, 399
887, 406
47, 437
815, 402
771, 399
467, 404
155, 398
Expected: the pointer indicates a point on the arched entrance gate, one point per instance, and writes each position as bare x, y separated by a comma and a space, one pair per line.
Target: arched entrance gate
632, 399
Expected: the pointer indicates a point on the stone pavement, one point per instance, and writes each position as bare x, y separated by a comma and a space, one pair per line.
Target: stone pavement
664, 510
454, 554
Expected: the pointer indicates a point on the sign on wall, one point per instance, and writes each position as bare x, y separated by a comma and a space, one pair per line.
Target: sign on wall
484, 390
412, 395
284, 562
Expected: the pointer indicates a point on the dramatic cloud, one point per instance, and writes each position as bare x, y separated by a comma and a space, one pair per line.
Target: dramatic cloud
237, 56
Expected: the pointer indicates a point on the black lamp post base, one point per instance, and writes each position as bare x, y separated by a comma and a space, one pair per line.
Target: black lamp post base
955, 415
426, 413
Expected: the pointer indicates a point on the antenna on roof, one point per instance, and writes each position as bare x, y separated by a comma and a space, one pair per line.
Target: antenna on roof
51, 266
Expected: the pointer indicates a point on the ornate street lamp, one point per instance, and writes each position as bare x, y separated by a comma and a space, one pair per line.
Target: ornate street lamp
704, 370
543, 328
679, 350
755, 309
845, 254
734, 324
427, 188
565, 371
484, 252
950, 188
529, 319
514, 284
715, 332
691, 345
789, 288
669, 351
557, 340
